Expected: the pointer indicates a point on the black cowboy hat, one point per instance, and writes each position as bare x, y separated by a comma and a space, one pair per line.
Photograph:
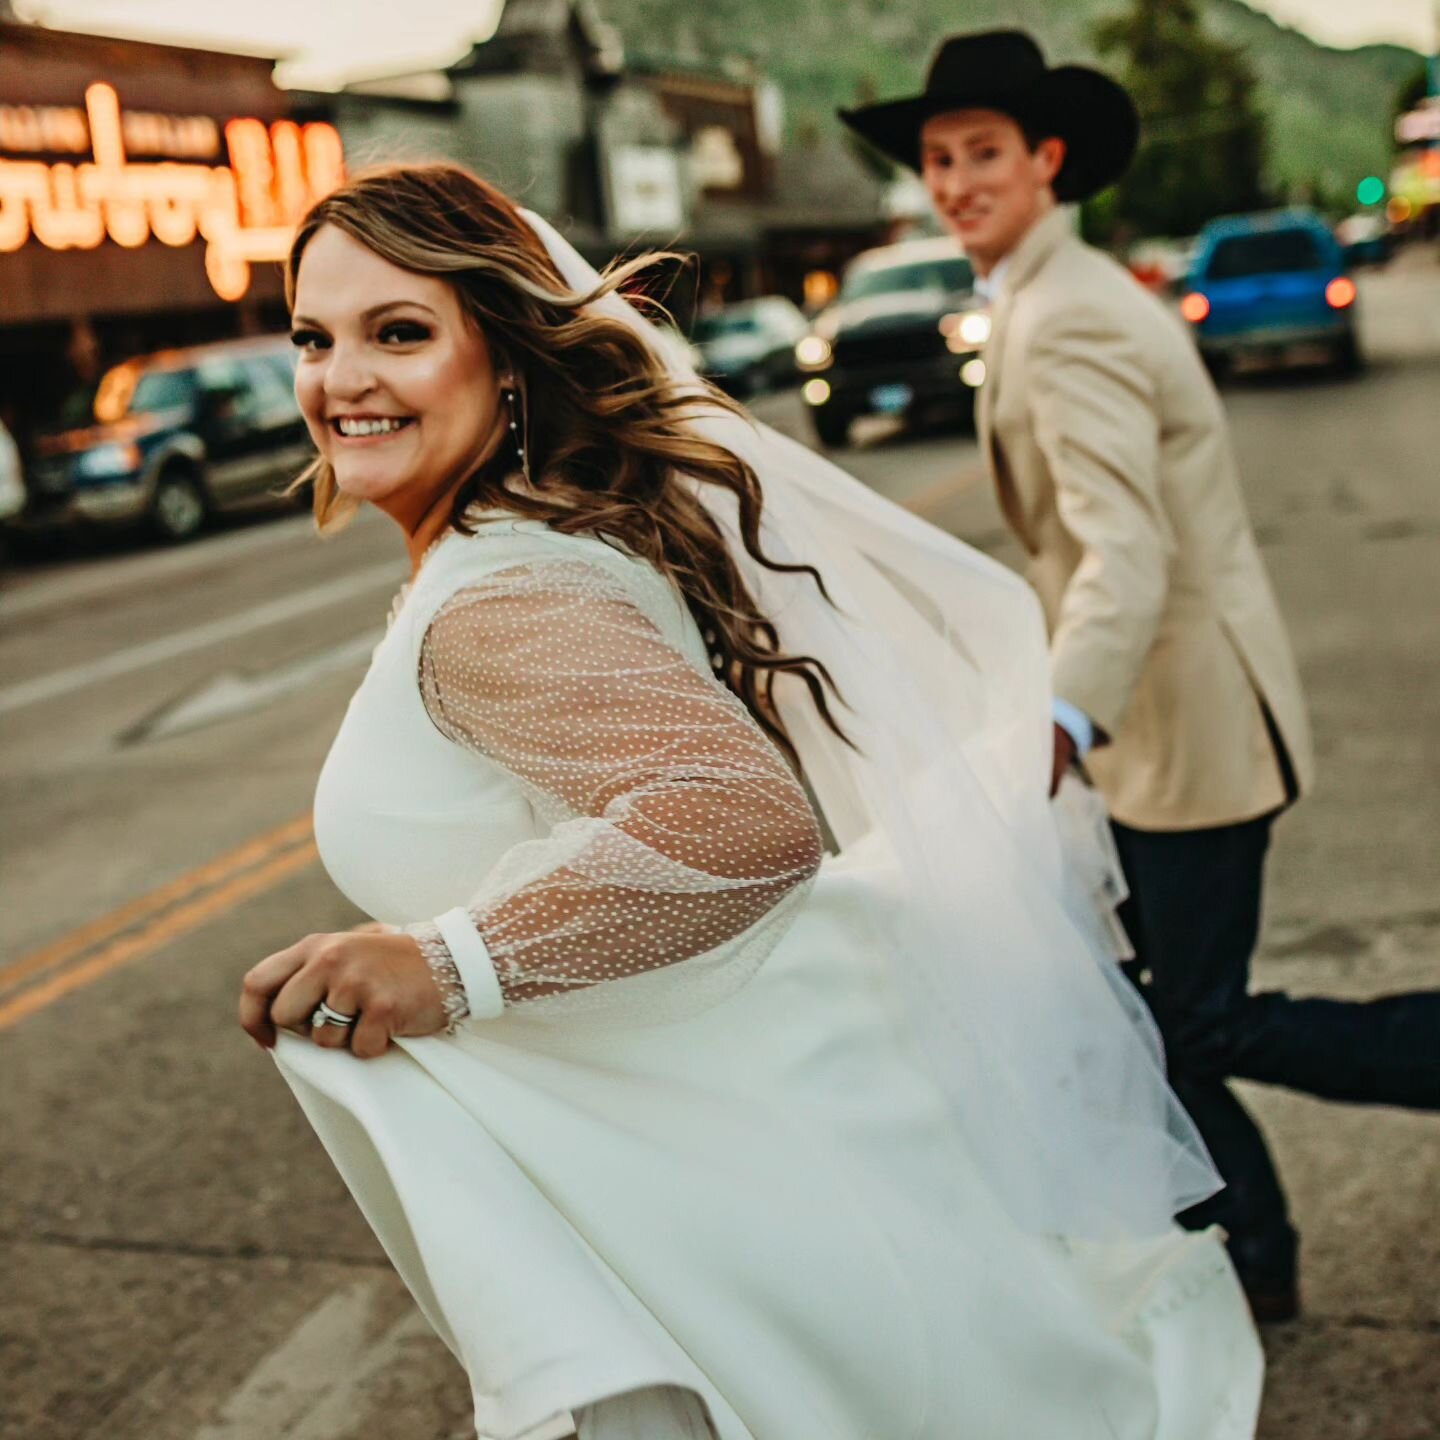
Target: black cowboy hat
1004, 70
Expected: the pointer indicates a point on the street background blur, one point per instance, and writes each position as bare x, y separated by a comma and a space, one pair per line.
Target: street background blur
176, 646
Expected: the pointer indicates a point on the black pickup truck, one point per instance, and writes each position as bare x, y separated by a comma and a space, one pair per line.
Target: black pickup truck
903, 337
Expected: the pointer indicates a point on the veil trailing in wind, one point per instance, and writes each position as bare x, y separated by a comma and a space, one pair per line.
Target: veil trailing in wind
1046, 1057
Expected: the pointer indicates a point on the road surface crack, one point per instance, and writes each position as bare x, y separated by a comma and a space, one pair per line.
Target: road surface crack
192, 1250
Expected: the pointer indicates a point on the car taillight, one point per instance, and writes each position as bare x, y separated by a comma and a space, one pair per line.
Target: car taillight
1340, 292
1195, 307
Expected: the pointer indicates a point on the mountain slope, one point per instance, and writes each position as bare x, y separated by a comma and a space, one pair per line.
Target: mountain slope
1330, 110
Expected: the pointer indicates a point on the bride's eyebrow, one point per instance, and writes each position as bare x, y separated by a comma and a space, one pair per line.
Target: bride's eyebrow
374, 312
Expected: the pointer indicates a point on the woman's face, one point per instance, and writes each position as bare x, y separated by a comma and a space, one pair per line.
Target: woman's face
396, 385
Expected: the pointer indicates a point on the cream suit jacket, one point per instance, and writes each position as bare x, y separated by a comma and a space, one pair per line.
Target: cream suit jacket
1110, 454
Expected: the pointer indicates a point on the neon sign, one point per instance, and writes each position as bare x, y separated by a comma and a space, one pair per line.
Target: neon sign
246, 211
64, 130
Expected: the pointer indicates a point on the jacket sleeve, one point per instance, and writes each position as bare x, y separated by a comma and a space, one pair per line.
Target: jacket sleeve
675, 824
1095, 411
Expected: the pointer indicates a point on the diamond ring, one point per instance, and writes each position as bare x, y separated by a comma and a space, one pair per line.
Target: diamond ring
323, 1015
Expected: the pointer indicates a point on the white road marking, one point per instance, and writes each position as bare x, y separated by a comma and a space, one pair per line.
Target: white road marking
232, 693
305, 1388
200, 637
312, 1385
103, 577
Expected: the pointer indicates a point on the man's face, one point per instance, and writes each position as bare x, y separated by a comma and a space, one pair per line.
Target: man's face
988, 186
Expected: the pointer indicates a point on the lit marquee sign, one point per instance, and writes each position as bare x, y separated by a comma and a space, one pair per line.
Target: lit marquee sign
245, 212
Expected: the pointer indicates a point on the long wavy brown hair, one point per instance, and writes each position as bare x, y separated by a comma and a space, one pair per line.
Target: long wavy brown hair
612, 436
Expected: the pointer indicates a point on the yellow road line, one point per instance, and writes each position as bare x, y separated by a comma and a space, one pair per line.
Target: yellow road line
116, 922
171, 925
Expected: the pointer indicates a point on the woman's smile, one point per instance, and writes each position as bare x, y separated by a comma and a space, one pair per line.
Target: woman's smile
369, 429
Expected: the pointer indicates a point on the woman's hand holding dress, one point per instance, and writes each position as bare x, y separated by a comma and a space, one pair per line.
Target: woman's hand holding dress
382, 978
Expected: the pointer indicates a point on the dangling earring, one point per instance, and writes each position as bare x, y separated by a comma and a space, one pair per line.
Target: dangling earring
515, 435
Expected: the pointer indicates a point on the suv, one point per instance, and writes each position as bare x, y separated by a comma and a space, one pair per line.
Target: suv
903, 337
749, 348
1267, 284
169, 438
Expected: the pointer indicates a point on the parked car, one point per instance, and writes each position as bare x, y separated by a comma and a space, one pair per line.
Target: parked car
903, 337
1364, 239
1270, 284
168, 439
12, 482
1161, 265
749, 347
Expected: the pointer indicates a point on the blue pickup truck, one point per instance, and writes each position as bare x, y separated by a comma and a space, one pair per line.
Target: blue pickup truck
1270, 284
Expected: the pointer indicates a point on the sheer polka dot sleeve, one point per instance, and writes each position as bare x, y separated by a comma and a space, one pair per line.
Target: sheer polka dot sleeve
675, 826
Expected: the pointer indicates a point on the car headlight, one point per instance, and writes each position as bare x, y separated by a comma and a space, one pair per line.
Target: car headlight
972, 373
965, 330
814, 352
104, 461
975, 327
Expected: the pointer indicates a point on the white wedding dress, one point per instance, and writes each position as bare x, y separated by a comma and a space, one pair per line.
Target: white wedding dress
676, 1175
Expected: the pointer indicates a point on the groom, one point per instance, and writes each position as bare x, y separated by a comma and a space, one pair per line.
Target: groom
1172, 675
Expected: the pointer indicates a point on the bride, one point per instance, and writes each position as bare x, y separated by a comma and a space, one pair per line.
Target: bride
733, 1056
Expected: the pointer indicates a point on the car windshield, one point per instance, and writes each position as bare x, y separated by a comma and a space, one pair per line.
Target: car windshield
130, 390
162, 390
946, 275
724, 324
1273, 252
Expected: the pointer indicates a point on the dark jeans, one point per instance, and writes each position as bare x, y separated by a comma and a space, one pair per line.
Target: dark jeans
1194, 916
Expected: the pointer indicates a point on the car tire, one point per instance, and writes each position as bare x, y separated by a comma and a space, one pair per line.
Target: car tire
1218, 364
1348, 357
832, 426
178, 509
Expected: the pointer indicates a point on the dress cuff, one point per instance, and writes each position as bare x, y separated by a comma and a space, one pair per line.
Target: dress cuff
1075, 723
442, 968
472, 960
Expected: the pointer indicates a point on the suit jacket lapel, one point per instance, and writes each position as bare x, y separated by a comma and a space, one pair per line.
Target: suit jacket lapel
994, 350
1026, 261
1041, 241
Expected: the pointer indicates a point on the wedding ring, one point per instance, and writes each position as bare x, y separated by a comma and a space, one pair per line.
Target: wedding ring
323, 1015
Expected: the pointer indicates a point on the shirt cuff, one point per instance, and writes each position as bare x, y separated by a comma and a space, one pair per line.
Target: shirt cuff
1075, 723
472, 960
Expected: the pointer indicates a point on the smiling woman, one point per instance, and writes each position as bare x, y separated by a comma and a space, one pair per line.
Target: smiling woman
400, 395
409, 398
659, 1086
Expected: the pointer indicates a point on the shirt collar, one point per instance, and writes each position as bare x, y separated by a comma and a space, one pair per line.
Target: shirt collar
1036, 246
988, 287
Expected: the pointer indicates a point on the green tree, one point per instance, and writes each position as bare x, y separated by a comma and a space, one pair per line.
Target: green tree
1203, 136
1412, 92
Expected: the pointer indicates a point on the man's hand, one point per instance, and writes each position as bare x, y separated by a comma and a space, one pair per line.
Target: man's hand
1064, 757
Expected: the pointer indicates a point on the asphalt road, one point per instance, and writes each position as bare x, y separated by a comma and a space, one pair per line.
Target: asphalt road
179, 1260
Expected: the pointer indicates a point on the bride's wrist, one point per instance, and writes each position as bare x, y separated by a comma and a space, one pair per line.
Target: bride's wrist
443, 971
